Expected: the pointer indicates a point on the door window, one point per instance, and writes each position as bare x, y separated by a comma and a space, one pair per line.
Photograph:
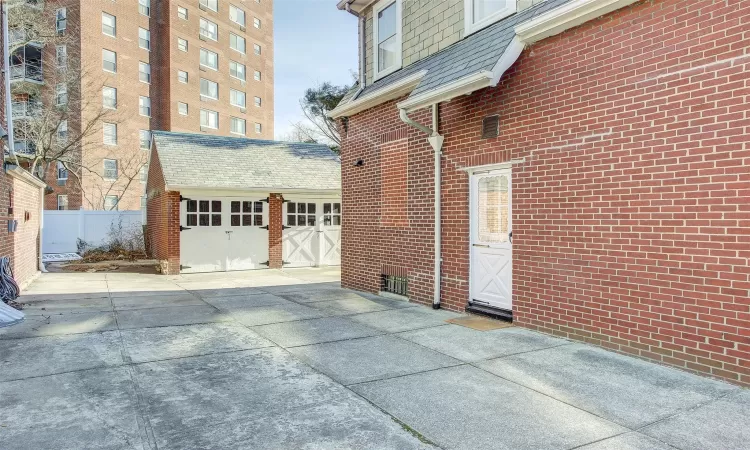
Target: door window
493, 201
331, 214
204, 213
246, 214
301, 214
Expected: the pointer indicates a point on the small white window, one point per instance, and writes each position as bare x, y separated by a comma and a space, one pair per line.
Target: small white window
110, 202
209, 59
182, 76
62, 201
387, 37
62, 130
209, 89
144, 72
258, 128
182, 108
144, 173
257, 102
182, 13
257, 75
109, 97
144, 7
208, 29
61, 19
182, 44
237, 70
62, 172
109, 60
145, 139
482, 13
61, 94
210, 4
238, 126
209, 119
144, 106
256, 22
237, 98
109, 24
110, 169
110, 133
61, 55
237, 43
237, 15
257, 49
144, 39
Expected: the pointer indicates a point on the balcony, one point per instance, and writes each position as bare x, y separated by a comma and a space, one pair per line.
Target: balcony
27, 72
24, 148
26, 109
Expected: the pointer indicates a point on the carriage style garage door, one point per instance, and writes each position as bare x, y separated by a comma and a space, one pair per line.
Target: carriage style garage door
312, 233
223, 234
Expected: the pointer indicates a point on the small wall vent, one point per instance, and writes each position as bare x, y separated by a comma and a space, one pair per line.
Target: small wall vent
490, 127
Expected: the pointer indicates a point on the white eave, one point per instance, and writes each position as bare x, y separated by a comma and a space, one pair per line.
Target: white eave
25, 175
394, 90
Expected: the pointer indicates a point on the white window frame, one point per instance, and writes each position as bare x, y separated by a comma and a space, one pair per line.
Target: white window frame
62, 130
61, 19
179, 77
232, 9
147, 72
237, 39
62, 197
109, 138
148, 139
104, 50
181, 41
106, 89
238, 120
180, 11
258, 128
105, 175
208, 52
147, 38
238, 64
209, 83
204, 31
61, 94
257, 23
62, 172
208, 113
257, 101
179, 107
257, 49
381, 5
205, 3
144, 7
257, 75
61, 55
114, 24
233, 94
116, 205
471, 27
142, 100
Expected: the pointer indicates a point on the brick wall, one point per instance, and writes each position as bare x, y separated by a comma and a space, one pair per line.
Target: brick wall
162, 220
275, 231
26, 202
631, 205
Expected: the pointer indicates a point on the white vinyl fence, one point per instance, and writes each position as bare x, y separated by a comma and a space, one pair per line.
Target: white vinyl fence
63, 229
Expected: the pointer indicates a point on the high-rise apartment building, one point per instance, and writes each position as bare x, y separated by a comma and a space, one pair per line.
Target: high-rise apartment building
122, 68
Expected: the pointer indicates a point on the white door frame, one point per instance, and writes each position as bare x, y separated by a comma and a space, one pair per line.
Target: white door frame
318, 237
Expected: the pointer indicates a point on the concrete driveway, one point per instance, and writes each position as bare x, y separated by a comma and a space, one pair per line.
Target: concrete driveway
289, 360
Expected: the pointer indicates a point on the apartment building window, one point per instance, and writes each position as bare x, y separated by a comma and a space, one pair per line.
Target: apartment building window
210, 4
209, 89
144, 39
110, 202
237, 43
209, 30
144, 72
145, 139
209, 59
182, 76
110, 133
62, 130
62, 172
209, 119
237, 70
109, 97
61, 19
238, 126
61, 55
109, 60
110, 169
182, 108
257, 49
237, 15
257, 101
144, 7
182, 13
256, 22
61, 94
257, 76
144, 173
182, 44
387, 37
144, 106
481, 13
109, 24
258, 128
237, 98
62, 202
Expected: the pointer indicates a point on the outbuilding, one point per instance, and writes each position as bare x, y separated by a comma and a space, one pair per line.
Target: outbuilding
223, 204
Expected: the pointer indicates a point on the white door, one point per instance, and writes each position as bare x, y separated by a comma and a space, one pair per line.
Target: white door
491, 240
312, 234
330, 234
203, 239
248, 234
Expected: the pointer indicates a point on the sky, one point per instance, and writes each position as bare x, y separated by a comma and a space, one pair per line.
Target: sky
314, 42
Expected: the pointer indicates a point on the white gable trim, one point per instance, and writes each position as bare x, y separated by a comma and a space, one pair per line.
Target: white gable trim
395, 90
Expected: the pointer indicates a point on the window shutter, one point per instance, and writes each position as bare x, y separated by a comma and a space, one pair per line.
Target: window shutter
490, 127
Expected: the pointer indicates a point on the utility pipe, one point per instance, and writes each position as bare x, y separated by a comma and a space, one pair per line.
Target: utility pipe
8, 98
436, 141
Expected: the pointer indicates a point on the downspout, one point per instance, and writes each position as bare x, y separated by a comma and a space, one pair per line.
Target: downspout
362, 49
6, 77
436, 141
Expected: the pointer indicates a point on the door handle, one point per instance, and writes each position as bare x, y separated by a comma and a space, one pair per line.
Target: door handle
480, 245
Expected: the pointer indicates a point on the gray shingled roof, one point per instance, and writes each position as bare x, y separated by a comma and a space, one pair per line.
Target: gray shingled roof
476, 53
216, 162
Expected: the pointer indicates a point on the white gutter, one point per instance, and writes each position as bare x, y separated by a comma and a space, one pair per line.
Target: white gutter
8, 96
390, 92
362, 45
436, 141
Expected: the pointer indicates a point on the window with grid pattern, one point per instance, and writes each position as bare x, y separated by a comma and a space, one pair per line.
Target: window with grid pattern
203, 213
246, 214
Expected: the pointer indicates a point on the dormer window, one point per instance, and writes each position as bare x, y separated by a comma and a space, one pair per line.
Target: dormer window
482, 13
387, 37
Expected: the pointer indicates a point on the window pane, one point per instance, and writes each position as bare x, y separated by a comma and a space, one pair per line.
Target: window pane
204, 220
209, 59
291, 207
336, 220
326, 220
109, 24
485, 8
216, 206
258, 207
311, 208
258, 220
192, 220
291, 220
216, 220
204, 206
310, 221
247, 220
235, 221
235, 207
209, 88
192, 206
326, 208
387, 23
337, 208
493, 209
301, 208
247, 207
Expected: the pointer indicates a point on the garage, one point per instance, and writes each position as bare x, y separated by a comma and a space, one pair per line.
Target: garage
219, 204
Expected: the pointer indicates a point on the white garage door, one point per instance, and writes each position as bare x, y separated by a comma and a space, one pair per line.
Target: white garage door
312, 234
223, 234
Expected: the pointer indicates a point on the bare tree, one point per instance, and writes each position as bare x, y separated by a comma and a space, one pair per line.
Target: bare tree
315, 105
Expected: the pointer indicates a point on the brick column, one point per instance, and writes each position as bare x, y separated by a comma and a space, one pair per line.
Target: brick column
275, 222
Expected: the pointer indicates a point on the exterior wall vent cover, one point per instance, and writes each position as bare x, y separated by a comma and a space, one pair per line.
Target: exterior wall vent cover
490, 127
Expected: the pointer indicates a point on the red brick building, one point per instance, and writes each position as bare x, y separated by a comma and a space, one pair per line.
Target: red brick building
594, 171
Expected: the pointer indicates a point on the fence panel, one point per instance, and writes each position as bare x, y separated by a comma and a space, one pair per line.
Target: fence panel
62, 229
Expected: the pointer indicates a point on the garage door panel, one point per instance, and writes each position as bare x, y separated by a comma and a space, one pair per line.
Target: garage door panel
313, 233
